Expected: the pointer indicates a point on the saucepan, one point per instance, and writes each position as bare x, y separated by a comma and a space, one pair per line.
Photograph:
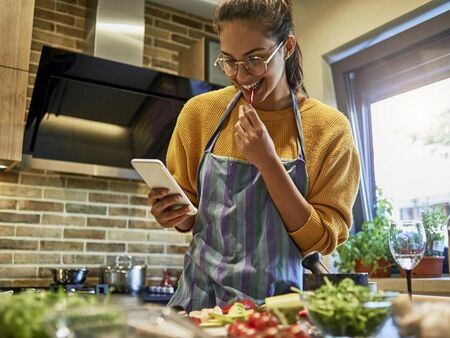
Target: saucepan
125, 277
66, 276
314, 280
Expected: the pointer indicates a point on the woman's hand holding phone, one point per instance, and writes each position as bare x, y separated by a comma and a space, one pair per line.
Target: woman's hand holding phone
165, 212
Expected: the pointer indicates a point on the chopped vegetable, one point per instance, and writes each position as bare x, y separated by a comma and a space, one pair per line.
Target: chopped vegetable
285, 307
347, 309
247, 302
236, 312
203, 314
265, 326
23, 315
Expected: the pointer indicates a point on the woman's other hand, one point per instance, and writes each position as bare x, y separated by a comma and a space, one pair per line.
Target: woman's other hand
252, 137
162, 208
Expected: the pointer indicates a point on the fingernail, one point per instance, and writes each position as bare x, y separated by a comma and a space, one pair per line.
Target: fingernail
178, 198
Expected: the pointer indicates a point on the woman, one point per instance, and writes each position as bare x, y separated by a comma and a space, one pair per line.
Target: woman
273, 172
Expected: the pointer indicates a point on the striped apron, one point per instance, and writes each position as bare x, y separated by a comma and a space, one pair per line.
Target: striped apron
240, 247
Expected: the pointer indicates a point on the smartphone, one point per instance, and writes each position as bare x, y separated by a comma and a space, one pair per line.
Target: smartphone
156, 175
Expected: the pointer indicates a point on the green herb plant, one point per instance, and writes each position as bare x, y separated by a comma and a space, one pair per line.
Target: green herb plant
371, 243
434, 223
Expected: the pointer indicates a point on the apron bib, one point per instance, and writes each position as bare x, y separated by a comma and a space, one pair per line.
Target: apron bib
240, 247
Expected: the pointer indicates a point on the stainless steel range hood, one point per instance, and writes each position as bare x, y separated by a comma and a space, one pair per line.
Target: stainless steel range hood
93, 114
116, 30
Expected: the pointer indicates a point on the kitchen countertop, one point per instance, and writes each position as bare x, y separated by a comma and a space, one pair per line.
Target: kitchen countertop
421, 286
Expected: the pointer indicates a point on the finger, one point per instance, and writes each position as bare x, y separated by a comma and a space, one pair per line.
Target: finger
244, 118
238, 129
252, 116
245, 124
169, 201
238, 139
156, 194
170, 214
174, 222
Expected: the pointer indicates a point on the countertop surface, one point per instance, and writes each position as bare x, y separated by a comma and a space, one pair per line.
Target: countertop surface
421, 286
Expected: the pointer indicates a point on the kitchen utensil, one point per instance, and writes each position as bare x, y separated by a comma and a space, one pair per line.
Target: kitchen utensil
314, 280
66, 276
313, 262
125, 277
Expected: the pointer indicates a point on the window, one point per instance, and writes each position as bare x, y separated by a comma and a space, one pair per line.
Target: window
411, 148
392, 91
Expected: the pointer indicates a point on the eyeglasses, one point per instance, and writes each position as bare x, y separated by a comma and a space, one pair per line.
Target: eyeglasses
254, 65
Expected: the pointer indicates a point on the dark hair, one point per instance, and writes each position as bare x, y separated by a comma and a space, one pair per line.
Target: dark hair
276, 17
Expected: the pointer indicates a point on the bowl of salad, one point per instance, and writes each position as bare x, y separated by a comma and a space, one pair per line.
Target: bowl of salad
348, 310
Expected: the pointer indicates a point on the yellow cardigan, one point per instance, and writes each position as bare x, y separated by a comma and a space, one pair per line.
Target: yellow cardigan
332, 162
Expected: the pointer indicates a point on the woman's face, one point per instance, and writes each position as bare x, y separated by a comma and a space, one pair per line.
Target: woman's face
240, 39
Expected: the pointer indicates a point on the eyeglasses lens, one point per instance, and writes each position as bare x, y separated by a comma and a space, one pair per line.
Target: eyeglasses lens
254, 66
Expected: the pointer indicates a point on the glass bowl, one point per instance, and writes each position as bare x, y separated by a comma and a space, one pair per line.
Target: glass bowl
345, 316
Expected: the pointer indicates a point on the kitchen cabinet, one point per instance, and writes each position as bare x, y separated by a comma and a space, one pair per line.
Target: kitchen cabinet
197, 62
16, 25
13, 92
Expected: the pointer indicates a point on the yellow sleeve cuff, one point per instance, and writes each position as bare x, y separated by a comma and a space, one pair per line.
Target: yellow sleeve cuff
310, 237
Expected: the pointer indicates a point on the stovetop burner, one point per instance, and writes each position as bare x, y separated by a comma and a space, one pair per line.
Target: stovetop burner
97, 289
156, 294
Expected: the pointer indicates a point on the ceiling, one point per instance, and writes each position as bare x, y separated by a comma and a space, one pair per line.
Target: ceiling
202, 8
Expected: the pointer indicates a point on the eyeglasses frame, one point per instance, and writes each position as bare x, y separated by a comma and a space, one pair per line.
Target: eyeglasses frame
237, 63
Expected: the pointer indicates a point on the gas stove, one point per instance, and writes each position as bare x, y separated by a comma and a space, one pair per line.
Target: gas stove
149, 294
97, 289
156, 294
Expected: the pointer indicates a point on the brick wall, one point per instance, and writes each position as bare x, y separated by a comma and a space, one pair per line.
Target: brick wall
62, 24
50, 219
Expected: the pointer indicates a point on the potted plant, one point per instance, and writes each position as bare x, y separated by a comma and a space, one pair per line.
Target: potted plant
368, 249
434, 222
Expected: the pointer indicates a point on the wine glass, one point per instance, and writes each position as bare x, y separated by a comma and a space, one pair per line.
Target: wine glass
407, 242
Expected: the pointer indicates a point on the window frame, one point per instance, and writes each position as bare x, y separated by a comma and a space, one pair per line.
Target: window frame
357, 75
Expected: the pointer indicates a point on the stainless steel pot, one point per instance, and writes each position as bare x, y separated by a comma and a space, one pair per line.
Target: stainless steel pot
69, 275
125, 277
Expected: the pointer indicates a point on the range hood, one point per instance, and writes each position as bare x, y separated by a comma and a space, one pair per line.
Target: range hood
93, 114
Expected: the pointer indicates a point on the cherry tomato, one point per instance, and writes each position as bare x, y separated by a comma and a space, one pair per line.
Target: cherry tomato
249, 304
303, 314
254, 319
251, 333
195, 320
271, 332
237, 329
262, 320
295, 331
269, 320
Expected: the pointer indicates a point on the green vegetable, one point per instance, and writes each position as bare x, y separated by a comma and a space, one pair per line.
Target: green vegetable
347, 309
285, 307
24, 315
236, 312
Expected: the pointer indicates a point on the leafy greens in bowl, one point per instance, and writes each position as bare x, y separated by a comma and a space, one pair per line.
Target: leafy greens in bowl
33, 314
347, 309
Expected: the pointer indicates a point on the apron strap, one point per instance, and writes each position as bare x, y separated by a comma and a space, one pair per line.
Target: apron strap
215, 135
227, 112
297, 114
